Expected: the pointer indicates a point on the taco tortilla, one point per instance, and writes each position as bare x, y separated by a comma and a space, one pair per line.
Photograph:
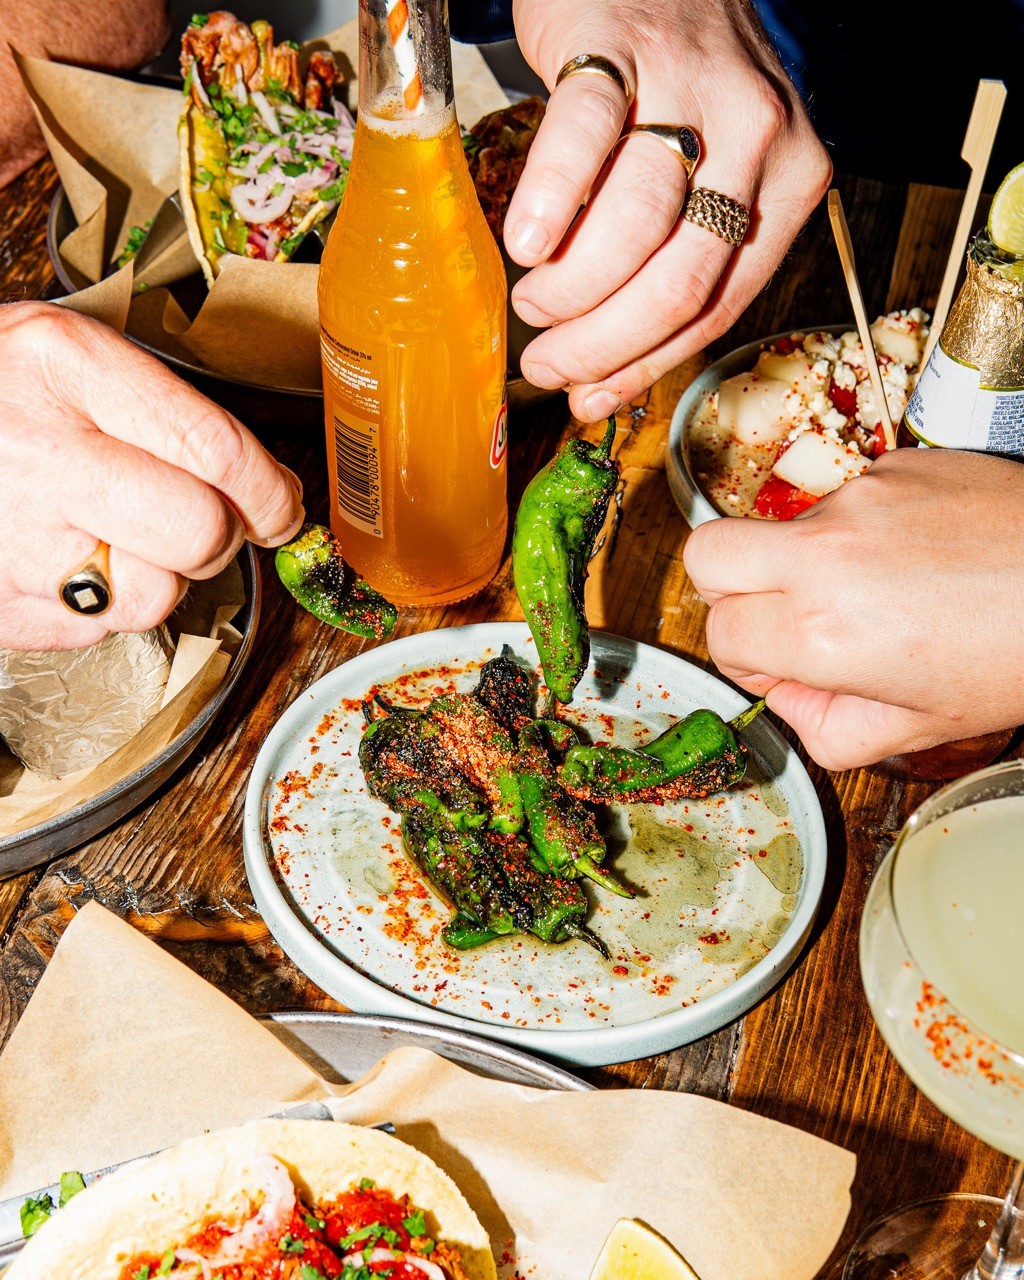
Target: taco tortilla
270, 1200
263, 147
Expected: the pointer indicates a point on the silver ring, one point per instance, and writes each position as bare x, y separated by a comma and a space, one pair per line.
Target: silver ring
87, 589
720, 214
680, 139
593, 64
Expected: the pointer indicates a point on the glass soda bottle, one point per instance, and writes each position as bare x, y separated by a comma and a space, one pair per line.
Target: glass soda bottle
412, 300
970, 394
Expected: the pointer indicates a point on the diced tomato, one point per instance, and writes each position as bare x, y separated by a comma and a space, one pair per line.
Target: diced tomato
844, 399
362, 1208
878, 445
778, 500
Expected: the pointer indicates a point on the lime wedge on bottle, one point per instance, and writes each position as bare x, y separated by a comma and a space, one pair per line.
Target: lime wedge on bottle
633, 1251
1006, 217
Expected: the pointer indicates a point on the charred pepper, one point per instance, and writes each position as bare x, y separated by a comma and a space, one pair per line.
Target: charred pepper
556, 526
312, 568
694, 757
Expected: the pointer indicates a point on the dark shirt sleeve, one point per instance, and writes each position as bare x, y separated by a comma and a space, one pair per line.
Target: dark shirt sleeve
480, 21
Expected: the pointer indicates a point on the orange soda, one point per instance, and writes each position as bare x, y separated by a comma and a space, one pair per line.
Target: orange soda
412, 298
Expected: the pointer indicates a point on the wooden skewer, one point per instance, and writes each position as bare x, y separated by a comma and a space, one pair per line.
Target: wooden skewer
981, 133
842, 235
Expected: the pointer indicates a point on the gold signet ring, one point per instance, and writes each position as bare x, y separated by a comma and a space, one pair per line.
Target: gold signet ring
596, 65
680, 139
87, 588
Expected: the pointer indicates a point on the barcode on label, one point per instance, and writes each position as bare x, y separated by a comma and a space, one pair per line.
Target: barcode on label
358, 462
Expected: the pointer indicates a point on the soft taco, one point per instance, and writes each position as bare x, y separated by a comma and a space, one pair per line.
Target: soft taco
281, 1199
264, 145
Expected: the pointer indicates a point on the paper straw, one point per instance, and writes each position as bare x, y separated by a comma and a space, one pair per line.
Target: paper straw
400, 30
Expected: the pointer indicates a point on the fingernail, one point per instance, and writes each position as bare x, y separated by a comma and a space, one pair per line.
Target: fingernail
531, 237
601, 404
541, 376
529, 314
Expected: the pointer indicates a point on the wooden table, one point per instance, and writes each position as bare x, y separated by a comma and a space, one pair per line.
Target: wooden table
809, 1054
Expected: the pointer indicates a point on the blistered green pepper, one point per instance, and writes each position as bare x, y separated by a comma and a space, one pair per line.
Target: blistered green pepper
696, 756
556, 526
312, 568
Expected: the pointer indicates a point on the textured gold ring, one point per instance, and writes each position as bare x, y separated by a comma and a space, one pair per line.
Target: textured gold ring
87, 589
593, 64
680, 139
720, 214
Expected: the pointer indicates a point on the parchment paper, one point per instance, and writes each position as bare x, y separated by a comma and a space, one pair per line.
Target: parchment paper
122, 1050
115, 145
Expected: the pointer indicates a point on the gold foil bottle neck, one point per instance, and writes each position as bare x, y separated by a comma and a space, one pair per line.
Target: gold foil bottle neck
985, 328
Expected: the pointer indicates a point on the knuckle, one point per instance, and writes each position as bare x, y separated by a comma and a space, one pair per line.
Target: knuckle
678, 297
214, 448
145, 603
212, 536
35, 328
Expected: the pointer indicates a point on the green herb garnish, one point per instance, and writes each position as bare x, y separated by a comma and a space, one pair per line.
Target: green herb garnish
288, 1244
34, 1212
70, 1185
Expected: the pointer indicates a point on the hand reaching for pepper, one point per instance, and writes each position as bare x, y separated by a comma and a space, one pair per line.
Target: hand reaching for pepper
888, 618
101, 442
629, 288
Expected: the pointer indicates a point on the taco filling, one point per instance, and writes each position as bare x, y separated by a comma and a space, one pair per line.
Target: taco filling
264, 148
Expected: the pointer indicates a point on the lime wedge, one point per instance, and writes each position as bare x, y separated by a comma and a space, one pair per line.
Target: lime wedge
1006, 217
633, 1251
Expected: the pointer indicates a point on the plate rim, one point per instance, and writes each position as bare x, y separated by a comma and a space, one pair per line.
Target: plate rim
687, 493
491, 1049
599, 1046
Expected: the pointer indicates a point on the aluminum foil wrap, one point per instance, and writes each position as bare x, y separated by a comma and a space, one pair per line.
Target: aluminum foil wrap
67, 710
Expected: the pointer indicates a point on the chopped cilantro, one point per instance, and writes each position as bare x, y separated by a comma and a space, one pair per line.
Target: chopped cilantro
367, 1184
218, 239
306, 1272
34, 1213
204, 174
276, 189
292, 44
166, 1262
267, 164
372, 1231
288, 1244
199, 20
132, 245
213, 89
288, 246
334, 190
71, 1182
426, 1246
142, 1273
293, 168
415, 1224
314, 1223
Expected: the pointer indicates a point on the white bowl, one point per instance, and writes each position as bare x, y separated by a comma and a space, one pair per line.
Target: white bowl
693, 502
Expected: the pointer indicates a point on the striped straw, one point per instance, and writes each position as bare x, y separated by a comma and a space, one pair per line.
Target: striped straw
400, 30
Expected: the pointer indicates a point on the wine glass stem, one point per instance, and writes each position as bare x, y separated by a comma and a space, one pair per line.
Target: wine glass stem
1003, 1256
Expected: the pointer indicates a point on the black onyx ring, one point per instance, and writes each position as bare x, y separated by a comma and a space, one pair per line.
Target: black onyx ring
680, 139
86, 589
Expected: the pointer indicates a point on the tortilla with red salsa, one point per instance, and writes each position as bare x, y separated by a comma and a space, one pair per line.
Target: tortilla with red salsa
271, 1200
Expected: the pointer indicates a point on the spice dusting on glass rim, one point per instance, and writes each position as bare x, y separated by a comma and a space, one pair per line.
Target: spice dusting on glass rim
773, 441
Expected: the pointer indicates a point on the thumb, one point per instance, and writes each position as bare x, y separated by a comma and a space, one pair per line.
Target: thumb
840, 731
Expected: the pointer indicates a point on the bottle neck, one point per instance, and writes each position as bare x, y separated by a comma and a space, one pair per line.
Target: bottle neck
405, 59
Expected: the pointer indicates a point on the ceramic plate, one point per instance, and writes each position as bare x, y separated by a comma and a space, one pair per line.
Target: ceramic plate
691, 498
726, 888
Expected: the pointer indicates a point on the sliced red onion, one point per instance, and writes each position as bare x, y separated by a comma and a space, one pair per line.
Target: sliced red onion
239, 86
270, 249
253, 200
366, 1257
266, 111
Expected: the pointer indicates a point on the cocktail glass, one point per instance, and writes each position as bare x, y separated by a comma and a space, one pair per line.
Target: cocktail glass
942, 960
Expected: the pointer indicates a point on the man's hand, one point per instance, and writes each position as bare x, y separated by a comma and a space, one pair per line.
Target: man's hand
889, 617
628, 289
100, 442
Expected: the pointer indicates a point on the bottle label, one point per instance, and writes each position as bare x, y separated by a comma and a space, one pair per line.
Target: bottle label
352, 392
499, 437
950, 408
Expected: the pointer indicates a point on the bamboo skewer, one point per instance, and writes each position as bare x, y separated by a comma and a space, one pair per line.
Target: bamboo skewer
845, 246
978, 140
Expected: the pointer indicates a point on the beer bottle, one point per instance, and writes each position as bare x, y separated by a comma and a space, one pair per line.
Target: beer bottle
412, 300
970, 394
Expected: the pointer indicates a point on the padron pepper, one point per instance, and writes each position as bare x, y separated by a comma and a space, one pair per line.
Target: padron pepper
694, 757
311, 566
557, 523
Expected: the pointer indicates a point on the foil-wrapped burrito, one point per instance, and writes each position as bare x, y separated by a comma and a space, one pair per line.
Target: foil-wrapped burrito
67, 710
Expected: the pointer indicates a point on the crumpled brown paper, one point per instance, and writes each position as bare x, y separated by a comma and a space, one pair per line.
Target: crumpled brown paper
114, 143
123, 1050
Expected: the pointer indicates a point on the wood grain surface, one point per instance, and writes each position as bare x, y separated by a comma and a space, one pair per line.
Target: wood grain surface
809, 1053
